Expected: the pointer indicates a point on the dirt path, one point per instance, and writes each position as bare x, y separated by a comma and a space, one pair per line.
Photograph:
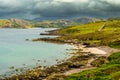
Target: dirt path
77, 70
87, 67
101, 51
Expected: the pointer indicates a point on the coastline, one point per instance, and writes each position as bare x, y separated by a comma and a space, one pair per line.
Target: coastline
81, 60
98, 52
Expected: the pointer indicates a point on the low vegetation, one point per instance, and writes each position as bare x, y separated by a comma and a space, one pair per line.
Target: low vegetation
97, 34
109, 71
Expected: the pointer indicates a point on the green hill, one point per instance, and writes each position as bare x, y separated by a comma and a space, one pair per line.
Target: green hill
98, 33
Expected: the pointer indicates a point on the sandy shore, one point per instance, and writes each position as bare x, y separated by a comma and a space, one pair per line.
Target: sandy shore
102, 50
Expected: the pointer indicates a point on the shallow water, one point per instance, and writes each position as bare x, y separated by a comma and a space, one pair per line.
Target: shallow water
16, 51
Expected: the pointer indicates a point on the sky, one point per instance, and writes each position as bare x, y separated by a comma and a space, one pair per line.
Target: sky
31, 9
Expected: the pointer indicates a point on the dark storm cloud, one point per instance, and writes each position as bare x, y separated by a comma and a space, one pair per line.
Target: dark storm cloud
58, 8
104, 8
14, 8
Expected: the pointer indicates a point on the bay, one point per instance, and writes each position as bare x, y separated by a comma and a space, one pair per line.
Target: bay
16, 51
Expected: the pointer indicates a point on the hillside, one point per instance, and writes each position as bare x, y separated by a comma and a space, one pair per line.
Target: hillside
97, 33
100, 33
15, 23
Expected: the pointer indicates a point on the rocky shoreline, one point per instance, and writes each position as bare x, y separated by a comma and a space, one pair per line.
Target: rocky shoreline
80, 61
59, 40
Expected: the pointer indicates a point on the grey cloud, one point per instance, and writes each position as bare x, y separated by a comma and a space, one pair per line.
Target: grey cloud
15, 8
100, 8
54, 8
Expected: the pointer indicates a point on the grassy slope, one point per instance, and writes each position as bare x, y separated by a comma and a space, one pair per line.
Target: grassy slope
109, 35
90, 33
110, 71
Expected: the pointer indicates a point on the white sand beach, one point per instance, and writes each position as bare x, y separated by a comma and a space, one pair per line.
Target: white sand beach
102, 50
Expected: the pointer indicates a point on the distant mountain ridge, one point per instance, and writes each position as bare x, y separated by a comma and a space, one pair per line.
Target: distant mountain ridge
65, 22
22, 23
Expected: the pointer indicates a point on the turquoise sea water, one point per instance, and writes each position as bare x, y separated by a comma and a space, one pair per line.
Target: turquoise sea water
16, 51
